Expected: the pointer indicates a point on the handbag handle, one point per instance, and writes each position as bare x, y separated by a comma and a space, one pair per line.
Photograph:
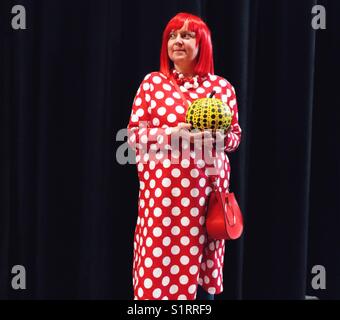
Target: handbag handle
225, 206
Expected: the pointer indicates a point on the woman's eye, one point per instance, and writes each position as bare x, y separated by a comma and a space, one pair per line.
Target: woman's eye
172, 36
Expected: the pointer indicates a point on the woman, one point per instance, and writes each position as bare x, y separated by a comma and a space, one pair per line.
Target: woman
173, 257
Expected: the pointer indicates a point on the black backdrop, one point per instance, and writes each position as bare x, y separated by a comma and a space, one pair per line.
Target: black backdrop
68, 208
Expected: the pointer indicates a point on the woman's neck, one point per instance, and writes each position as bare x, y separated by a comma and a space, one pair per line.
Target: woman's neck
187, 71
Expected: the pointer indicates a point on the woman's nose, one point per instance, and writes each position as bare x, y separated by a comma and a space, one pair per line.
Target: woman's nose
178, 39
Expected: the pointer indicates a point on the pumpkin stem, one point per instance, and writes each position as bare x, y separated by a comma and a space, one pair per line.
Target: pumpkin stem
212, 94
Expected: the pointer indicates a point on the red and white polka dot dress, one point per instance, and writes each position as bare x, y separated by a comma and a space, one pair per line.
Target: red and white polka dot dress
172, 253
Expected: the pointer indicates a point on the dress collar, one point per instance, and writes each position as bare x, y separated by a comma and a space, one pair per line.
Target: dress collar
187, 82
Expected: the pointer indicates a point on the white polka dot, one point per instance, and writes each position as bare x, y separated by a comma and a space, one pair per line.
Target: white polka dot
194, 173
169, 101
166, 163
214, 274
138, 102
158, 192
201, 201
194, 231
166, 222
200, 90
206, 279
155, 121
194, 212
175, 231
148, 262
150, 222
172, 118
208, 190
166, 261
202, 220
200, 163
159, 95
157, 232
222, 83
193, 269
176, 192
140, 112
173, 289
217, 89
134, 118
176, 211
192, 289
185, 241
184, 260
194, 192
147, 283
146, 175
161, 111
206, 84
157, 212
174, 269
175, 250
185, 163
202, 182
166, 241
166, 87
185, 182
176, 95
159, 173
153, 104
179, 109
193, 95
166, 202
157, 272
165, 281
201, 239
152, 183
218, 282
146, 86
185, 221
147, 194
140, 292
211, 290
156, 79
175, 173
157, 252
194, 250
148, 242
210, 263
185, 202
183, 279
157, 293
166, 182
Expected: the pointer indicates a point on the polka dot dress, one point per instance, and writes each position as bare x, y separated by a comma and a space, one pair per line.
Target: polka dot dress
172, 253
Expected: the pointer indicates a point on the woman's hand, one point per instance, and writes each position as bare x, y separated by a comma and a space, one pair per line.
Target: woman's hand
199, 137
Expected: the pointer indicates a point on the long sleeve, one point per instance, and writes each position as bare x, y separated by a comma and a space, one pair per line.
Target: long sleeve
233, 138
143, 133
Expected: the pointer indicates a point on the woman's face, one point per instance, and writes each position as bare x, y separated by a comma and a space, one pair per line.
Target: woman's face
182, 48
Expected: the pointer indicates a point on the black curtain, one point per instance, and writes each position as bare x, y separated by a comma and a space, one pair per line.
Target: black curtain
68, 208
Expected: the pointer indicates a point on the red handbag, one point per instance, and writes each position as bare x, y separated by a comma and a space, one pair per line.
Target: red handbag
224, 217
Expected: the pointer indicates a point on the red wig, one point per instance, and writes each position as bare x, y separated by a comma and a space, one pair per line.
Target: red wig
205, 61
